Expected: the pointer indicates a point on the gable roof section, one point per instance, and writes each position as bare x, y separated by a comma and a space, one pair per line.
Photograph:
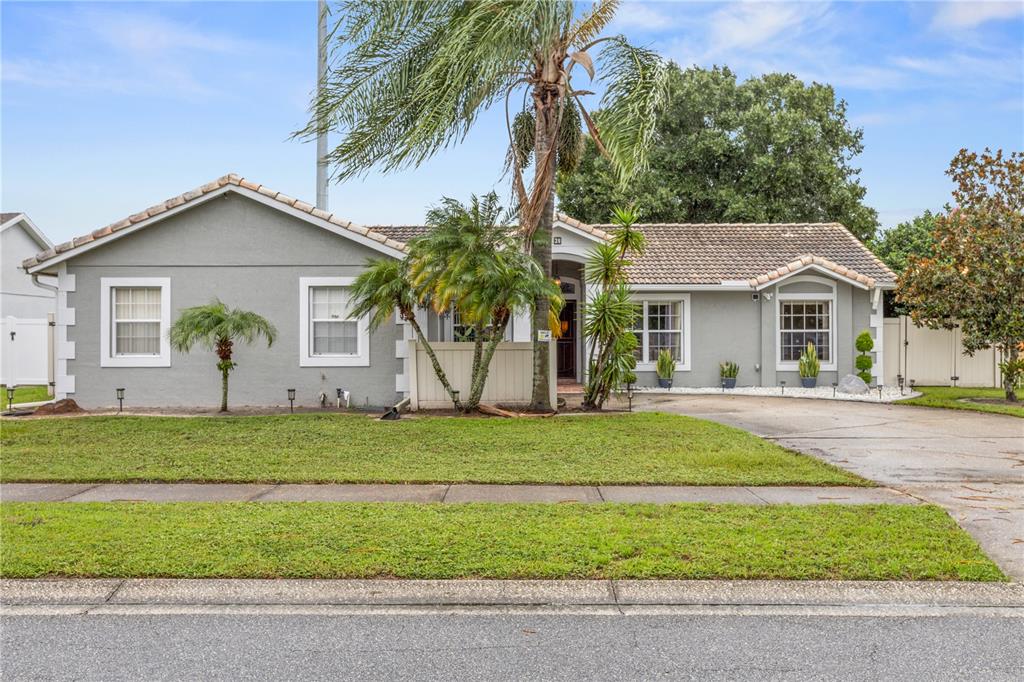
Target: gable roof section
401, 233
226, 183
744, 253
592, 230
9, 220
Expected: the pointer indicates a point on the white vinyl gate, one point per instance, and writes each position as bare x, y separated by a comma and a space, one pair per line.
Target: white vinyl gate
932, 357
25, 351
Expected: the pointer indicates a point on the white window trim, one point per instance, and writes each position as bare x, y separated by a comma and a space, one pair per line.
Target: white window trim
107, 356
684, 299
306, 357
791, 366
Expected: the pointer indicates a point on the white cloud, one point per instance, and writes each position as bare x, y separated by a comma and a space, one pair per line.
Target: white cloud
642, 16
963, 14
749, 25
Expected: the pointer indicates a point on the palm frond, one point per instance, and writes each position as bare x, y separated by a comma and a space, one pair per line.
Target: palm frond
636, 81
205, 325
590, 25
410, 78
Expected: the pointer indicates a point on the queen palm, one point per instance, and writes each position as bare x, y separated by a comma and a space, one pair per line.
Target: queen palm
217, 327
410, 78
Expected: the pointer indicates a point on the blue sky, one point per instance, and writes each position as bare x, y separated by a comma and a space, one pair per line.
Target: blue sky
109, 108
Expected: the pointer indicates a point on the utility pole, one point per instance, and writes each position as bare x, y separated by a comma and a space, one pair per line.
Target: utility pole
321, 134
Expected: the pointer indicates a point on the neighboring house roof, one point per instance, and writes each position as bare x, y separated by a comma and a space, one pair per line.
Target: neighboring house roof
401, 233
750, 253
230, 182
8, 220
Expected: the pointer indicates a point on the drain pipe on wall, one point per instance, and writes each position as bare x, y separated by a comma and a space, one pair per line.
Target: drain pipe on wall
51, 386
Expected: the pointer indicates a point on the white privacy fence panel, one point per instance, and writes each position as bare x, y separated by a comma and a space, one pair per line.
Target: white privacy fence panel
509, 381
25, 351
932, 356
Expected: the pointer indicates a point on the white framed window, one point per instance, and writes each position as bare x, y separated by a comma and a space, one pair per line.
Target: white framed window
802, 318
663, 323
462, 332
135, 319
328, 334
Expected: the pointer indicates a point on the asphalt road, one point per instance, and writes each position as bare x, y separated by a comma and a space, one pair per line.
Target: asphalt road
513, 645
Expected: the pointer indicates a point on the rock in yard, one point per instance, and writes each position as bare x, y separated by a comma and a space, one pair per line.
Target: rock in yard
853, 385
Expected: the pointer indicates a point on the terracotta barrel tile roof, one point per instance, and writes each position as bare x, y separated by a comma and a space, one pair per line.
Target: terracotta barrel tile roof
712, 253
191, 195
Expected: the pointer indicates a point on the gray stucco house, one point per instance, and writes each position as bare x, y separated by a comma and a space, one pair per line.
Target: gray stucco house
750, 293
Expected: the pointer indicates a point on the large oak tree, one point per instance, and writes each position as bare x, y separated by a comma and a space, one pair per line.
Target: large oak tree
768, 149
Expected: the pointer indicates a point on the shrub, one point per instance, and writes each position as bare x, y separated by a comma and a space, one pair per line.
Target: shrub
728, 370
666, 365
864, 344
809, 364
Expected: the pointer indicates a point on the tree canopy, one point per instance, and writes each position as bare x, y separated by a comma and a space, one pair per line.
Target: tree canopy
767, 149
975, 278
897, 245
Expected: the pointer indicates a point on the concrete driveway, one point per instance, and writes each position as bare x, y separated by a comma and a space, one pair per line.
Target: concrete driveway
971, 464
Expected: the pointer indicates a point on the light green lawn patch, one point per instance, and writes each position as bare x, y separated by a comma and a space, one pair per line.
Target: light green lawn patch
345, 448
350, 540
958, 399
25, 394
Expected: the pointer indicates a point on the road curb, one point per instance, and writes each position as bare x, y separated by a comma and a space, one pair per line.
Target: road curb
618, 593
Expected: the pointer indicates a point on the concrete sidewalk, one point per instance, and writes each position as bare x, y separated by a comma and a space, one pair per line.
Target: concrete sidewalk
454, 493
102, 595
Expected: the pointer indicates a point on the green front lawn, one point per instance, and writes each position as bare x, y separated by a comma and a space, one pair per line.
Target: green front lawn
957, 399
25, 394
348, 540
345, 448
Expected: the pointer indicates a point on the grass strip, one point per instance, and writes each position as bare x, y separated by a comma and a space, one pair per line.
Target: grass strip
25, 394
962, 399
345, 448
359, 540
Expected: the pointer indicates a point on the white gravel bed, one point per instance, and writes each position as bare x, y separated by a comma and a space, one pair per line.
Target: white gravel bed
889, 393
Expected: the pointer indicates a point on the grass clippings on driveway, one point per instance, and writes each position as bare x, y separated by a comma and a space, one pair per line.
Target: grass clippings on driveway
340, 448
351, 540
991, 400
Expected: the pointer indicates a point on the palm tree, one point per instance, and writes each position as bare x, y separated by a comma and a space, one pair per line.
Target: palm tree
409, 78
611, 313
384, 286
469, 262
216, 327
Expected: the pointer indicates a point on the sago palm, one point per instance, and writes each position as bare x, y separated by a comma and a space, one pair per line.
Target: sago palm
408, 78
216, 327
384, 286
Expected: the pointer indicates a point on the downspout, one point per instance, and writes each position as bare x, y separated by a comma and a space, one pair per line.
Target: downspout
760, 339
50, 349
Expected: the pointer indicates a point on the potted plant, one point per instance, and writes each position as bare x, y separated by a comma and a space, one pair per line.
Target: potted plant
728, 371
666, 369
809, 367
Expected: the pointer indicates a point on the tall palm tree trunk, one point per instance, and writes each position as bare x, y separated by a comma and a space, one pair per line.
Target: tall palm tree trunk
546, 100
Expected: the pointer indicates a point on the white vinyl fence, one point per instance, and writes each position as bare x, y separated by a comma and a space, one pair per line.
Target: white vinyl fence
509, 381
931, 357
25, 351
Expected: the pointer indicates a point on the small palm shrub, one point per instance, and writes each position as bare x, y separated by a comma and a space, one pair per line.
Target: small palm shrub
728, 370
809, 364
864, 344
666, 366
